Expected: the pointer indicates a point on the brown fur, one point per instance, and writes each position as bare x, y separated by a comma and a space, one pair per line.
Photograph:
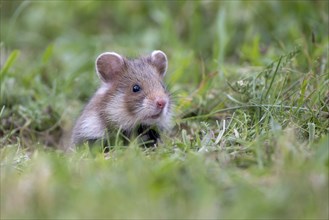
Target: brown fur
116, 105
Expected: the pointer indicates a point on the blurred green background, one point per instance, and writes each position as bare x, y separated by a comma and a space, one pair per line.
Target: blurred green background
54, 45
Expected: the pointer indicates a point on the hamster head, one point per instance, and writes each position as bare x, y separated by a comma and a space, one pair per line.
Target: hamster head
134, 90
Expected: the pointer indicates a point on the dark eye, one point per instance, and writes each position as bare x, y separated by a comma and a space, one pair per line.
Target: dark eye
136, 88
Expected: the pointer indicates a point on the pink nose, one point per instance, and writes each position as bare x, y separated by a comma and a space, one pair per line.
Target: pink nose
161, 103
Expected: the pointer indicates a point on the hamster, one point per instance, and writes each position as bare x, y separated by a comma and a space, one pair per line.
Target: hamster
132, 97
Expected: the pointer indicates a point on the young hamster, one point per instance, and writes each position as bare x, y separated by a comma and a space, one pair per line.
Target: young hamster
132, 97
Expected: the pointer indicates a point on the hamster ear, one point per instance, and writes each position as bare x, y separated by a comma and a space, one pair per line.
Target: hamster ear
159, 60
109, 65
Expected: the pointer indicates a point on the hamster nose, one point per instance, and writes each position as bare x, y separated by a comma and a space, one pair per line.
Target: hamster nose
161, 103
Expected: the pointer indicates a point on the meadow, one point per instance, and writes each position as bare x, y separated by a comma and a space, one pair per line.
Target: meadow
250, 83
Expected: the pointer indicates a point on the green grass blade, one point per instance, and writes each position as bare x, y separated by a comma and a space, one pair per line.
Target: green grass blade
9, 63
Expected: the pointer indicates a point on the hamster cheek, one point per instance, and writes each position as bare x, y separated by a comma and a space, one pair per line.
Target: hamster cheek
150, 106
134, 104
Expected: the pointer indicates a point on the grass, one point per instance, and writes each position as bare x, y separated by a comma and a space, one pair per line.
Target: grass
250, 84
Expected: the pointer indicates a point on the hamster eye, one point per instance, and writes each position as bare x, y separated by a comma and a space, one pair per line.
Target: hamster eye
136, 88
